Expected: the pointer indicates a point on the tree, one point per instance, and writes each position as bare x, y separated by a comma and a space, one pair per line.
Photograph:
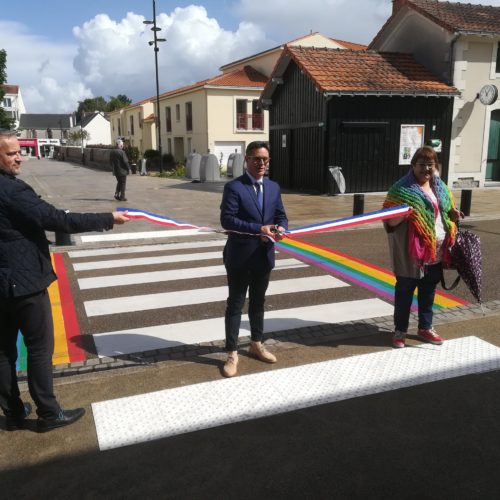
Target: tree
90, 105
6, 122
120, 101
100, 104
78, 136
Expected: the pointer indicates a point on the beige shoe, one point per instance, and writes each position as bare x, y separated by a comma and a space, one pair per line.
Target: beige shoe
231, 365
258, 351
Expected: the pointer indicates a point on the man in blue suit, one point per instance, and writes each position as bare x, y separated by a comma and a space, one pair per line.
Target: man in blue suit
252, 210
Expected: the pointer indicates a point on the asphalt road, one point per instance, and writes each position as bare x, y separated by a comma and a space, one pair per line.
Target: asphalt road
433, 441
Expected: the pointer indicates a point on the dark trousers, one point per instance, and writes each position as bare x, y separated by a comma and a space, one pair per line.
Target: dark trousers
405, 287
239, 281
121, 184
32, 315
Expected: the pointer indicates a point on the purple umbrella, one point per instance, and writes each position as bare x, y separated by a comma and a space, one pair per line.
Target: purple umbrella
466, 259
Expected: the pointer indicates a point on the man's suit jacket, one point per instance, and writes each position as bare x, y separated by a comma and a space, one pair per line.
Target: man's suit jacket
119, 162
240, 212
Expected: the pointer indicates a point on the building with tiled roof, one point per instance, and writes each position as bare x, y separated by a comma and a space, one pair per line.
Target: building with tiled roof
220, 114
460, 43
363, 111
12, 102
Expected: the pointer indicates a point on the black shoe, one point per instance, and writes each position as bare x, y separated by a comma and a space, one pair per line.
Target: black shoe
117, 198
123, 199
16, 422
65, 417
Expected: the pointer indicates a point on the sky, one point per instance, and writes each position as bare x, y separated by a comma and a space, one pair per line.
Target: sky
62, 52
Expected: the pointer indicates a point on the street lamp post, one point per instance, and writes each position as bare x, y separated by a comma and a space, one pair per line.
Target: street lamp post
154, 42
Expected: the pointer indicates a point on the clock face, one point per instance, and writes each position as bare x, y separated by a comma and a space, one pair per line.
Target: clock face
488, 94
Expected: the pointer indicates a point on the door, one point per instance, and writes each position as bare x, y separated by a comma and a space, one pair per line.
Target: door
222, 150
493, 160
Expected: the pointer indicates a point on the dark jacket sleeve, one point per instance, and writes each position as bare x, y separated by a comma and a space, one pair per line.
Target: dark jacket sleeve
28, 210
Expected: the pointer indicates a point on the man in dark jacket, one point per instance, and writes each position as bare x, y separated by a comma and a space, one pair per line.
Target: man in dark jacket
25, 273
252, 210
121, 168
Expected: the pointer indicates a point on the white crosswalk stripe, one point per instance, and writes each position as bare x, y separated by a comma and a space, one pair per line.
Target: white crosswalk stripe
124, 299
201, 296
170, 275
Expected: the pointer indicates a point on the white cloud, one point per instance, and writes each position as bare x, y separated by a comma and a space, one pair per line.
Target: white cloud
355, 21
110, 57
43, 69
115, 58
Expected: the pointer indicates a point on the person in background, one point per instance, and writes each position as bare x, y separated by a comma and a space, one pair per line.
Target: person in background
420, 242
250, 204
25, 273
121, 168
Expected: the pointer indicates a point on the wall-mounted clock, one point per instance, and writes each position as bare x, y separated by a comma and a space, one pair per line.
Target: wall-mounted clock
488, 94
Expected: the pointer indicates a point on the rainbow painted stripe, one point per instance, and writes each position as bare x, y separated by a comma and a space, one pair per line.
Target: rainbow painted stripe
67, 340
376, 279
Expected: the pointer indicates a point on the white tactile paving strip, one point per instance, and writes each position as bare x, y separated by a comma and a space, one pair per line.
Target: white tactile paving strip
155, 415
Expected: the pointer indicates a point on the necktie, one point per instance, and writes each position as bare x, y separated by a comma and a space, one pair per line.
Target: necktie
260, 194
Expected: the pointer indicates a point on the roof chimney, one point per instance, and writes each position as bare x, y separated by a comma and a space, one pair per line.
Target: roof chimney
396, 5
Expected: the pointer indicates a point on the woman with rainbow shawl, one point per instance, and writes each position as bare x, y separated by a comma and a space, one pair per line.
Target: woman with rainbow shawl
420, 242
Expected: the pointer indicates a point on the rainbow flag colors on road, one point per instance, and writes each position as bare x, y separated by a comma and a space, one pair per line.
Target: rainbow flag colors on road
376, 279
67, 345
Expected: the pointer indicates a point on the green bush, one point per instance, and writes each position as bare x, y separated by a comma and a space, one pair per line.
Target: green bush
132, 153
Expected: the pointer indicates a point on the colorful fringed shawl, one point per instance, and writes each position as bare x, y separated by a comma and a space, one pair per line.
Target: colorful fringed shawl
422, 217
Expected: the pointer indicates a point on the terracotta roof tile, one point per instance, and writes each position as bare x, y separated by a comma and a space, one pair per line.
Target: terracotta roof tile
10, 89
460, 16
454, 17
246, 77
349, 71
350, 45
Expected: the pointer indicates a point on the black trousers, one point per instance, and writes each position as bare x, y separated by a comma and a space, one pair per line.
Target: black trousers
32, 315
121, 184
239, 281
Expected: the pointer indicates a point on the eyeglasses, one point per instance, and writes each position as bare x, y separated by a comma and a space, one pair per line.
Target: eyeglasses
258, 159
425, 165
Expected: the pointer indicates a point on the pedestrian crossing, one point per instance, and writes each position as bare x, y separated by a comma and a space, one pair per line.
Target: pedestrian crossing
147, 297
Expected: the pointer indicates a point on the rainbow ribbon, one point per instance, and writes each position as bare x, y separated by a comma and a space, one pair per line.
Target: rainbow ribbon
356, 220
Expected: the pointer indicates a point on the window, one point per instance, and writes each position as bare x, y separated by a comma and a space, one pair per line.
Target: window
169, 146
241, 114
497, 70
168, 118
178, 112
7, 102
190, 145
257, 116
132, 131
139, 119
119, 128
189, 116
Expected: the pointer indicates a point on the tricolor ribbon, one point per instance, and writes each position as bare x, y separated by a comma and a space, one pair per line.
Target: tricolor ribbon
355, 220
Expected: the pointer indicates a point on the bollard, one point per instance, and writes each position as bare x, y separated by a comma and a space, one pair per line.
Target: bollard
465, 201
358, 204
63, 239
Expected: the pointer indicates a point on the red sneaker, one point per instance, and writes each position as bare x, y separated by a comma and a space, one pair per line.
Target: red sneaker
398, 339
429, 335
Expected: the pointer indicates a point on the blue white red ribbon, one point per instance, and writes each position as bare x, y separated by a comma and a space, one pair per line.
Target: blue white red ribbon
355, 220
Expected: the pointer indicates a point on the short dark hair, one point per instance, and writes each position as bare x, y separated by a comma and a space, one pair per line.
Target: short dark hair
425, 153
256, 145
4, 132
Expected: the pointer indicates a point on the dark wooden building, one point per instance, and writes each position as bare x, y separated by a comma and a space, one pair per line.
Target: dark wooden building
360, 110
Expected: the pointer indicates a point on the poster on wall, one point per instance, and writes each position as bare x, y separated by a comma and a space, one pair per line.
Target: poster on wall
412, 138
